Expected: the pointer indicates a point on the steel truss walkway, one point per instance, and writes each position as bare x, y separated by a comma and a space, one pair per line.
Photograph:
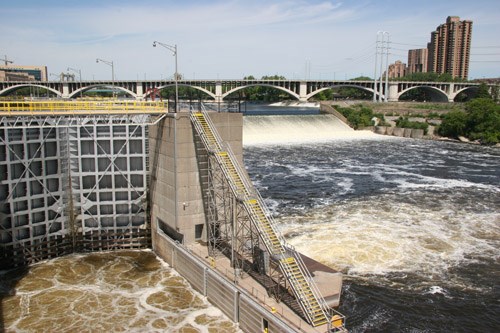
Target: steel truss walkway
290, 263
55, 113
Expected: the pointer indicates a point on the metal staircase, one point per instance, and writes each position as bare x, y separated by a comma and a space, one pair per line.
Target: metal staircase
290, 262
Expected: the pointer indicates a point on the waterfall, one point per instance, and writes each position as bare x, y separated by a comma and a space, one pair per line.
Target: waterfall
295, 129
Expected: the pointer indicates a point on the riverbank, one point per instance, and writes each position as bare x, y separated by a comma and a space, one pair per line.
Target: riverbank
428, 113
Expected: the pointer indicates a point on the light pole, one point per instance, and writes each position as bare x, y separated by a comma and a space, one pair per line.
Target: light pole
79, 71
109, 63
172, 49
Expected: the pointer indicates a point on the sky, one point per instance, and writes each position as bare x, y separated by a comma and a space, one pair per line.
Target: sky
231, 39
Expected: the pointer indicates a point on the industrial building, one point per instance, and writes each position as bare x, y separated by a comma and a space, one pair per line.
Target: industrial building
9, 72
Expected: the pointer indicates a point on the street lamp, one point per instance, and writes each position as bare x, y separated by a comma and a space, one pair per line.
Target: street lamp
173, 49
109, 63
79, 71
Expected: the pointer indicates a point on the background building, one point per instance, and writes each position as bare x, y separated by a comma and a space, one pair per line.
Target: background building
417, 61
449, 48
23, 73
397, 69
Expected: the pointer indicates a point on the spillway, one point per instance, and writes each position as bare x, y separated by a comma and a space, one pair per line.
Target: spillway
294, 129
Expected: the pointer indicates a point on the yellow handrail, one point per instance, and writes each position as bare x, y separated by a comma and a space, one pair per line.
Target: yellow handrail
23, 108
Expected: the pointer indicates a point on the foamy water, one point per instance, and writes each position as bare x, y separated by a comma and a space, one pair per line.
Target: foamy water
125, 291
297, 129
383, 236
414, 225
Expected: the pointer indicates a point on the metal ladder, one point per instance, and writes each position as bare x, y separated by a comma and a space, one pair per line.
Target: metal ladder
290, 262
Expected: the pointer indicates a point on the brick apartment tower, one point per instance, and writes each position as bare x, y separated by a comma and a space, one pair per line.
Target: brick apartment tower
449, 48
417, 61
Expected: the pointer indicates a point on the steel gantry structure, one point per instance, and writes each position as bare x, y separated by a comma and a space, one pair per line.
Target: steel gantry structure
241, 226
72, 169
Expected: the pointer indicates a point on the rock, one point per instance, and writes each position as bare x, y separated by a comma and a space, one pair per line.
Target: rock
463, 139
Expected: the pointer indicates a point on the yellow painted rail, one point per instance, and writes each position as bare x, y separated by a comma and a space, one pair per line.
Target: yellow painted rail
75, 108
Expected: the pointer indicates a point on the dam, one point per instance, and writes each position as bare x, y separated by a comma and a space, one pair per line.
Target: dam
174, 183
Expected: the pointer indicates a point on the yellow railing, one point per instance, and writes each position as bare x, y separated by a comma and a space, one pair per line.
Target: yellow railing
62, 108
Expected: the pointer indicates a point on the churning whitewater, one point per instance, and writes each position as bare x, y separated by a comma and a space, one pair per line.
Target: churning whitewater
414, 225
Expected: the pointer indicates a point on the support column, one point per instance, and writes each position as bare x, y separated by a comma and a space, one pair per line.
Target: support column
303, 91
218, 92
139, 93
392, 94
451, 92
65, 90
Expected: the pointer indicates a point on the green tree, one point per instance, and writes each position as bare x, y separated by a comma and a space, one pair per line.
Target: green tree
404, 122
358, 116
362, 78
483, 91
263, 93
454, 124
483, 120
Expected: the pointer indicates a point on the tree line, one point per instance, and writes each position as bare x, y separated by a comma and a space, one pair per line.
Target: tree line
480, 121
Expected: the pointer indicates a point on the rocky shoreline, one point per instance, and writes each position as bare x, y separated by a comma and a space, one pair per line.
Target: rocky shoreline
403, 132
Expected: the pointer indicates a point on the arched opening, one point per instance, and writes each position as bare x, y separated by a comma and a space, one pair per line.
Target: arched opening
344, 92
261, 93
102, 91
189, 95
261, 97
423, 94
29, 91
466, 94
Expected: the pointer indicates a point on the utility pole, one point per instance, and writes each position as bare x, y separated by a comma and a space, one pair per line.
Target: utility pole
381, 46
387, 68
7, 61
375, 72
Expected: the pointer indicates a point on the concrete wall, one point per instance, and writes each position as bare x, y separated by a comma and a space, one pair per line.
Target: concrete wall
176, 191
232, 300
401, 132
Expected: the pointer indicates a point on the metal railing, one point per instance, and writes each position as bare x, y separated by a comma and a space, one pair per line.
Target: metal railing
104, 107
251, 196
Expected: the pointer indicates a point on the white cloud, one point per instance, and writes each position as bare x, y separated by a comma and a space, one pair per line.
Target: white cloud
225, 38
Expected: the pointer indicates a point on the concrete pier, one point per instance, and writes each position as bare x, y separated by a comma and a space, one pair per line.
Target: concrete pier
176, 179
180, 168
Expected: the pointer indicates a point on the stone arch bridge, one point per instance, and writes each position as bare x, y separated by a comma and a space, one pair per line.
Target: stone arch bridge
219, 89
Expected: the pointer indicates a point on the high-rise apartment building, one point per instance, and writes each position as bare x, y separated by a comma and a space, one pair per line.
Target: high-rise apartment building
449, 48
417, 61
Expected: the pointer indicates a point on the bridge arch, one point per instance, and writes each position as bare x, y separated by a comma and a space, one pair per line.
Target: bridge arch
77, 92
288, 91
439, 94
454, 95
209, 93
370, 90
19, 86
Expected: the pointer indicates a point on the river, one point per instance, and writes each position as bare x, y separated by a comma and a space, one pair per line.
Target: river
414, 225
